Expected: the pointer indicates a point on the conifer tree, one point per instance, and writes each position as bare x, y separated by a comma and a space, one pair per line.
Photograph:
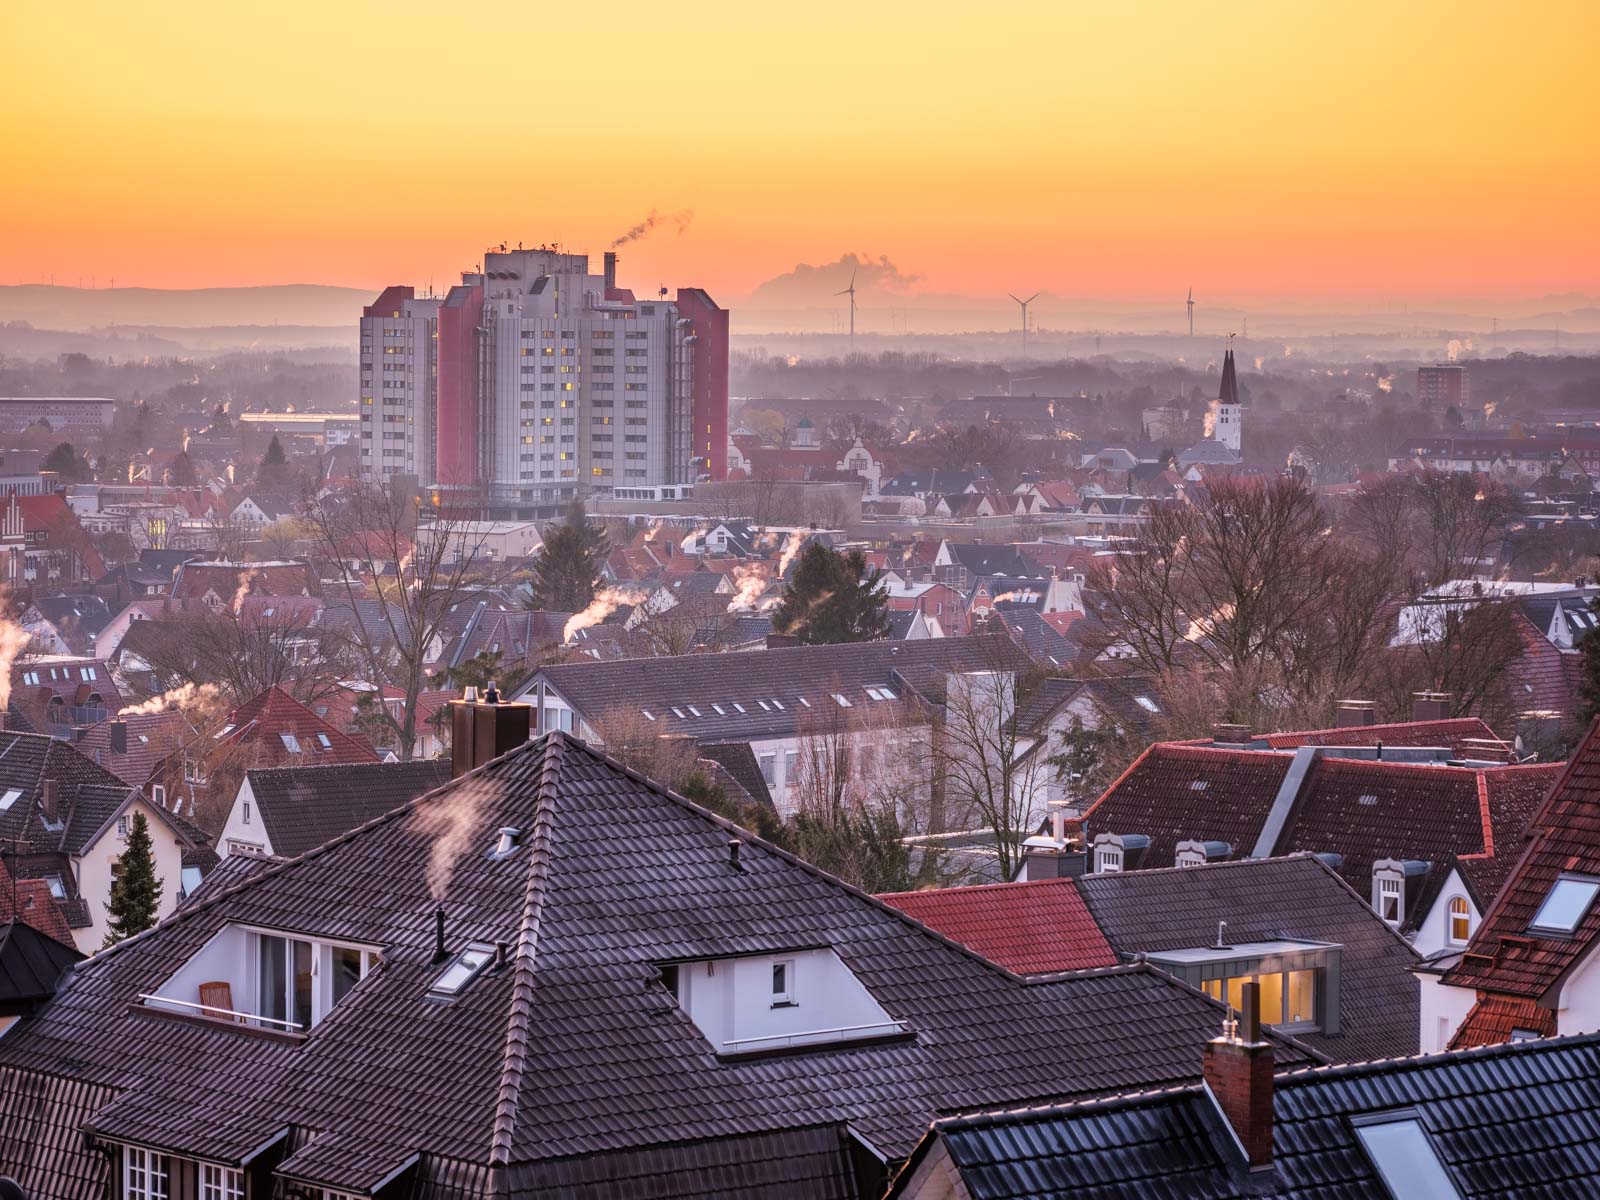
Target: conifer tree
567, 571
274, 463
137, 892
833, 598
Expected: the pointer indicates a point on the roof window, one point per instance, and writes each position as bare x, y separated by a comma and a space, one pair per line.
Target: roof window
11, 796
1199, 785
692, 709
323, 739
804, 703
290, 743
1367, 798
881, 693
737, 707
647, 715
842, 702
678, 712
719, 710
1147, 704
463, 967
1565, 905
1400, 1148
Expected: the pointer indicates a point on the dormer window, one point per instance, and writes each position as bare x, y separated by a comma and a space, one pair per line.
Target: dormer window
1390, 898
1565, 906
752, 1004
1460, 918
1108, 859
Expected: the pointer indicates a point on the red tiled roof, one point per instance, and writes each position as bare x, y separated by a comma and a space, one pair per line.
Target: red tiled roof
1505, 956
1028, 928
29, 901
1159, 797
1542, 677
263, 720
1494, 1018
1400, 733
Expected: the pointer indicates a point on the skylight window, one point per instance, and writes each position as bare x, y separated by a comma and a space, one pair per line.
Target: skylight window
1147, 704
804, 703
765, 707
693, 709
461, 969
11, 796
719, 710
1368, 799
678, 712
323, 739
737, 707
1401, 1150
290, 743
881, 693
1199, 785
647, 715
1565, 905
777, 704
842, 702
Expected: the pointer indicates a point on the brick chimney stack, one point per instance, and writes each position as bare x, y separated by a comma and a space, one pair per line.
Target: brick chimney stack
1430, 706
481, 730
1353, 714
119, 737
1237, 1068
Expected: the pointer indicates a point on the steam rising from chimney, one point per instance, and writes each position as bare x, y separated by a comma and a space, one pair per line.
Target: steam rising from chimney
791, 547
198, 699
750, 580
680, 219
14, 640
606, 601
451, 823
245, 578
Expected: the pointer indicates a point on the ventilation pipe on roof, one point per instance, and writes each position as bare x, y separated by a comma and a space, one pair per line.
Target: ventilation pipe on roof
440, 953
733, 854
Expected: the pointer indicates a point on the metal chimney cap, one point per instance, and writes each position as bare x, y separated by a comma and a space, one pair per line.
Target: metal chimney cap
470, 693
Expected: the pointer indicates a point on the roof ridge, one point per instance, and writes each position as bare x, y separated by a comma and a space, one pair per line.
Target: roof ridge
520, 1015
787, 856
1293, 1075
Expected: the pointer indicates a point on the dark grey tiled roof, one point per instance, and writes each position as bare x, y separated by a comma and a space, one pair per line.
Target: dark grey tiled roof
1513, 1119
302, 807
1263, 900
764, 680
575, 1048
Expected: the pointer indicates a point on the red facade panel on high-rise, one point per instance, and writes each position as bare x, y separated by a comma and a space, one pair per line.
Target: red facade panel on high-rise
710, 362
456, 419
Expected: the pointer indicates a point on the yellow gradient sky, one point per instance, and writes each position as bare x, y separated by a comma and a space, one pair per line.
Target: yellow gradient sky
1119, 149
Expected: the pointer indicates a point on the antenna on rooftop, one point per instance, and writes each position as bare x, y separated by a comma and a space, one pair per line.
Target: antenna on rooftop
1191, 312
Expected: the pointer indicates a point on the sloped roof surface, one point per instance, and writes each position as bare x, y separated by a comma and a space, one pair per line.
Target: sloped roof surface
786, 675
1159, 797
264, 719
302, 807
1030, 928
1509, 1120
576, 1047
1505, 956
1263, 900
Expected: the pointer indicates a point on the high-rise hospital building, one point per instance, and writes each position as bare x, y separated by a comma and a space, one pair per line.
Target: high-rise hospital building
536, 381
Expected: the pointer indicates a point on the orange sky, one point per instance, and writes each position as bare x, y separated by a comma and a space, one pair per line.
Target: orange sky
1357, 150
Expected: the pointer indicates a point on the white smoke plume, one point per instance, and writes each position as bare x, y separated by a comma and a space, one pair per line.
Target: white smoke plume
606, 601
791, 547
451, 823
1259, 361
200, 700
1452, 350
750, 580
1386, 383
680, 219
243, 590
14, 640
1211, 422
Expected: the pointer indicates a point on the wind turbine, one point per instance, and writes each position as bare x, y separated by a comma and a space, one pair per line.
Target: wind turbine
1191, 312
1023, 304
851, 292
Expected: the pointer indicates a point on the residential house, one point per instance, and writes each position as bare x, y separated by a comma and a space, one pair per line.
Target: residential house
43, 543
65, 821
132, 746
60, 693
222, 585
286, 811
1333, 974
490, 1027
1530, 969
874, 697
271, 729
1404, 824
1506, 1120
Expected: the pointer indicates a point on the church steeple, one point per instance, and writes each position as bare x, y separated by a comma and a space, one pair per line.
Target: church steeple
1229, 392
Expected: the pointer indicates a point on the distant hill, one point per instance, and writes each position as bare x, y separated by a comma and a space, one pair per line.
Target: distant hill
70, 308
